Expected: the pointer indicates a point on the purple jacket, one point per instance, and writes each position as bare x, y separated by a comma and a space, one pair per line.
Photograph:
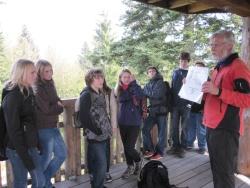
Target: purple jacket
130, 112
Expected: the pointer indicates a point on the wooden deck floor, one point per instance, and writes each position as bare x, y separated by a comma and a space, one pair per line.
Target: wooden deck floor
193, 171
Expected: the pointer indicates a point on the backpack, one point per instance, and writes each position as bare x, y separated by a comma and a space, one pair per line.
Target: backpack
169, 97
76, 115
3, 134
154, 174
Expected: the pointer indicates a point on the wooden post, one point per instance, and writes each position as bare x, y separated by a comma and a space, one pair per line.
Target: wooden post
244, 146
119, 147
73, 142
9, 174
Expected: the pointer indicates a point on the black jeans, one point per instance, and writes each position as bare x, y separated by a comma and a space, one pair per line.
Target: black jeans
223, 148
108, 153
129, 135
180, 116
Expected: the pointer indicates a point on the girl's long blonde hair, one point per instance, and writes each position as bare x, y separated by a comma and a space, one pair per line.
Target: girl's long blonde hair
18, 75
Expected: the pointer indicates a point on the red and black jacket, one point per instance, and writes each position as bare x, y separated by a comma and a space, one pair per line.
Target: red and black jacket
225, 111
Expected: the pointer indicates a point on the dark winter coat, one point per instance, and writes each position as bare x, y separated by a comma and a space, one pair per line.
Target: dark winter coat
155, 90
94, 116
130, 108
19, 114
47, 110
177, 81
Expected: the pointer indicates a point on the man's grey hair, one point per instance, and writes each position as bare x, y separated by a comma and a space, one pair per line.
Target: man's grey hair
228, 36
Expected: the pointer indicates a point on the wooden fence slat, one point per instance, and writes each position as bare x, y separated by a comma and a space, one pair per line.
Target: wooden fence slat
78, 151
9, 175
58, 176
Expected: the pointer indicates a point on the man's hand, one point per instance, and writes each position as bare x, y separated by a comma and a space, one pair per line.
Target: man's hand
209, 87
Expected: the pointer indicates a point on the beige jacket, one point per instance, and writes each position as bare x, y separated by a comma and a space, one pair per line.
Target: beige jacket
112, 108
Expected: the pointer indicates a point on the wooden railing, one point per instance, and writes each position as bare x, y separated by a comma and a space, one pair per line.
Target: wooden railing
75, 164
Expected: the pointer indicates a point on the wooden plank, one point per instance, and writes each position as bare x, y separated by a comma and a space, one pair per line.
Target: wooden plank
119, 147
153, 1
180, 3
194, 171
78, 151
199, 180
182, 177
9, 175
70, 138
238, 7
198, 7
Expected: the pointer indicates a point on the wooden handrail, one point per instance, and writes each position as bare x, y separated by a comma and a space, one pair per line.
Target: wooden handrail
75, 163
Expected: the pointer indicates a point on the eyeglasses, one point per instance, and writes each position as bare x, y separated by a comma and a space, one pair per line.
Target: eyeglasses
216, 44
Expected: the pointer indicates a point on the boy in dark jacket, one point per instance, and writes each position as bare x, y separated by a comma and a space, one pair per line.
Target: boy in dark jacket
155, 91
95, 119
181, 108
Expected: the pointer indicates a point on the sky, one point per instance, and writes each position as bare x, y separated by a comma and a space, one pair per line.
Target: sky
61, 25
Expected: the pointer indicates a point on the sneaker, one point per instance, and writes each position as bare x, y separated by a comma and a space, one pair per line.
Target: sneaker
128, 172
138, 166
180, 153
148, 154
108, 178
189, 148
156, 157
172, 151
201, 151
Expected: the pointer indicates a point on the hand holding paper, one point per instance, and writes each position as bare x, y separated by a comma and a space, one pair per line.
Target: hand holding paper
192, 88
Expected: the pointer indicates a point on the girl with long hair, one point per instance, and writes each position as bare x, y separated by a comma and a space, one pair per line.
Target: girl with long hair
22, 138
130, 96
49, 106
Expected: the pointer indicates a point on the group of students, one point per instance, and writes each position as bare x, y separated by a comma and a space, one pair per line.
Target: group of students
31, 107
128, 106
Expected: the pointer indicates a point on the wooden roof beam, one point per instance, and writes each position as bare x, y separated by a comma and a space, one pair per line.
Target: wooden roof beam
199, 7
180, 3
239, 7
153, 1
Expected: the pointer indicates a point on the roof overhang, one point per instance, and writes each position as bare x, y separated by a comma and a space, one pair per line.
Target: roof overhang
239, 7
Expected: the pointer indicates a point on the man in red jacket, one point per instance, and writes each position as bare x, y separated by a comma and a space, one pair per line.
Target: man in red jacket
227, 94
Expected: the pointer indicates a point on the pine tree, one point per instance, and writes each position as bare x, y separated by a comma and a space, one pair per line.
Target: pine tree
4, 64
25, 47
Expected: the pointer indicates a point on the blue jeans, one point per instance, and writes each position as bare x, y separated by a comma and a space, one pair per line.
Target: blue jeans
20, 172
195, 128
180, 115
53, 152
149, 122
97, 162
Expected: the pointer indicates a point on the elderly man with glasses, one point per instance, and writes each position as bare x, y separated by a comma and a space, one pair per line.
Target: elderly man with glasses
226, 97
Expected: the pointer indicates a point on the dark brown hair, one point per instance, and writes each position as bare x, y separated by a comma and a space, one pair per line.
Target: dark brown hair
200, 63
185, 56
91, 74
152, 67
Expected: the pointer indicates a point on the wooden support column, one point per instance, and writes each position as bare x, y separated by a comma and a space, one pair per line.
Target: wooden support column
244, 147
73, 142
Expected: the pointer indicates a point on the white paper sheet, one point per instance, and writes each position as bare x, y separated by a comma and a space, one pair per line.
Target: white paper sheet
191, 90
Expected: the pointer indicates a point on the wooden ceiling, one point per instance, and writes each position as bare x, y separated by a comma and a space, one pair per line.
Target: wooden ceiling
239, 7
